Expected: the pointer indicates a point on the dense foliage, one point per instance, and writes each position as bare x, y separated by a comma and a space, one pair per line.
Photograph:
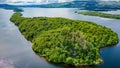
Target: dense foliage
105, 15
62, 40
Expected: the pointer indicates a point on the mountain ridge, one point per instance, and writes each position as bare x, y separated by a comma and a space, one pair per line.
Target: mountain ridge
85, 5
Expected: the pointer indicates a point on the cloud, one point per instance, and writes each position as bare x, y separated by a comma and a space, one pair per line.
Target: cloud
20, 0
6, 63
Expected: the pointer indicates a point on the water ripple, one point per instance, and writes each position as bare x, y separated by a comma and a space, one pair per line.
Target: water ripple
6, 63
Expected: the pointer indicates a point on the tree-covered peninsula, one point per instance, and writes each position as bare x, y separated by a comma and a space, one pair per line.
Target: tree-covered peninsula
100, 14
62, 40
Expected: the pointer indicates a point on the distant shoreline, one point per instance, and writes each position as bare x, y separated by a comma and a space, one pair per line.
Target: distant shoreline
100, 14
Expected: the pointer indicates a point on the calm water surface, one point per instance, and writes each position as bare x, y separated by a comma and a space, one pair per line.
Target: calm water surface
16, 51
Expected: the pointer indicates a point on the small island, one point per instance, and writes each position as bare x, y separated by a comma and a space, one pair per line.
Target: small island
61, 40
18, 10
100, 14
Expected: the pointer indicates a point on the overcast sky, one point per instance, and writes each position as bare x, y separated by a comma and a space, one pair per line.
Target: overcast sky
38, 1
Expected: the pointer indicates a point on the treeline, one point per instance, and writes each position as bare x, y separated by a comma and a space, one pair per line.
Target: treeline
62, 40
100, 14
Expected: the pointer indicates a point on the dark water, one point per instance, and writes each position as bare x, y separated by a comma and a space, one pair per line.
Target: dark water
16, 51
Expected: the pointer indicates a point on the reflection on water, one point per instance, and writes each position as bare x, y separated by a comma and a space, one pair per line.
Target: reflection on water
17, 51
6, 63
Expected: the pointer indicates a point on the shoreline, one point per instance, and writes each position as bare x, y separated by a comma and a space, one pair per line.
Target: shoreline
100, 14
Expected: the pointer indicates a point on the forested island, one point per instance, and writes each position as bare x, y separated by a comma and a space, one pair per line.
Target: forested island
100, 14
62, 40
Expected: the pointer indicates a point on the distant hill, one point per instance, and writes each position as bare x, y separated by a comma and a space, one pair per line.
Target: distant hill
10, 7
89, 5
86, 5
